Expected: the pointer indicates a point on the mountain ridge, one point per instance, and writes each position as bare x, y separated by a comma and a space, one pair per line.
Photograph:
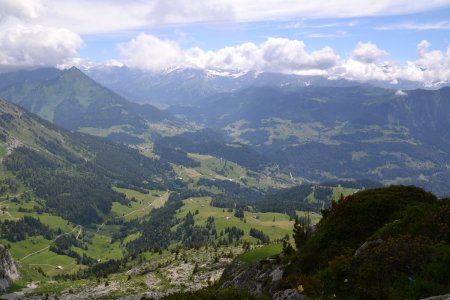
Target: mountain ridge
71, 99
184, 86
323, 133
71, 172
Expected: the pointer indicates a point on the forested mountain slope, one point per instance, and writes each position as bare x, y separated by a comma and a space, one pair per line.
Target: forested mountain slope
323, 133
72, 172
74, 101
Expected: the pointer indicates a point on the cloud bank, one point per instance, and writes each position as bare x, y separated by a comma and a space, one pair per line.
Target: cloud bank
275, 54
82, 16
291, 56
103, 16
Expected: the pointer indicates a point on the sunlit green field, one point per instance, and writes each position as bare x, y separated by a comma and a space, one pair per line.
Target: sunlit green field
260, 253
142, 205
275, 225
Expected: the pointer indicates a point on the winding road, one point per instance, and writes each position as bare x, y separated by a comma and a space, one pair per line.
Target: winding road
45, 248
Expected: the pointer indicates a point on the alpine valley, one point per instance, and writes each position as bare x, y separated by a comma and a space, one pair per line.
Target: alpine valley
205, 184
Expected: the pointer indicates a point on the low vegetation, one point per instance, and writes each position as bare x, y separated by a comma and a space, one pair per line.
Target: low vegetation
388, 243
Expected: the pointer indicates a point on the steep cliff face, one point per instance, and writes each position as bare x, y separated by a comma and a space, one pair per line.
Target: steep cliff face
8, 269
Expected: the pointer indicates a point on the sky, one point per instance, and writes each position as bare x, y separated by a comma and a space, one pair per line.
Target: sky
354, 39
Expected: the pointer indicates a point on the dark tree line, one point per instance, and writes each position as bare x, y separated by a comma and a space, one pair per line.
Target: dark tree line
15, 231
258, 234
194, 236
231, 194
63, 246
175, 155
9, 185
156, 233
288, 201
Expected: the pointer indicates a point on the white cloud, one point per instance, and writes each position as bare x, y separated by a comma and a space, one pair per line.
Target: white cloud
247, 56
25, 43
442, 25
31, 46
250, 10
21, 9
96, 16
338, 34
431, 68
304, 25
367, 52
361, 71
400, 93
290, 56
151, 53
275, 54
188, 11
100, 16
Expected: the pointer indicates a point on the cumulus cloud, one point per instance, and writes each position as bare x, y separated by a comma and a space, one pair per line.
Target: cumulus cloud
431, 67
149, 52
275, 54
25, 43
367, 52
291, 56
32, 46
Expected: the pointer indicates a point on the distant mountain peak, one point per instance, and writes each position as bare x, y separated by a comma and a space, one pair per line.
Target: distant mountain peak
74, 71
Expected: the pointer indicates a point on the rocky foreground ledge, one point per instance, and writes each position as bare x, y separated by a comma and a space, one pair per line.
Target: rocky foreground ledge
8, 269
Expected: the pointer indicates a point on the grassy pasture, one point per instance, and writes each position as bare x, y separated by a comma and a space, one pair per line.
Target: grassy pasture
262, 221
260, 253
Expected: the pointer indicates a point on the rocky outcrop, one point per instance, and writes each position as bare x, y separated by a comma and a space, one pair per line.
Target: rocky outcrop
289, 294
8, 269
261, 278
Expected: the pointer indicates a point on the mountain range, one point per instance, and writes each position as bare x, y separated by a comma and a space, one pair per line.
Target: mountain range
322, 133
317, 130
186, 86
192, 193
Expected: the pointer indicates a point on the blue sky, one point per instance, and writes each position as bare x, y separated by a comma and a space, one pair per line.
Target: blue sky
355, 39
342, 34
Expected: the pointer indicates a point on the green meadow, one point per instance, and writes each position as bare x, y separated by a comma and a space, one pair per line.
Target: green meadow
260, 253
275, 225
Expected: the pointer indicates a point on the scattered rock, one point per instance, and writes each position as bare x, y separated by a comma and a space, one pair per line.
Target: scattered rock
13, 144
259, 277
289, 294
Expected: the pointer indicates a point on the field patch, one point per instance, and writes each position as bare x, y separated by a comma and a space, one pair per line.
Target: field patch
260, 253
275, 229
